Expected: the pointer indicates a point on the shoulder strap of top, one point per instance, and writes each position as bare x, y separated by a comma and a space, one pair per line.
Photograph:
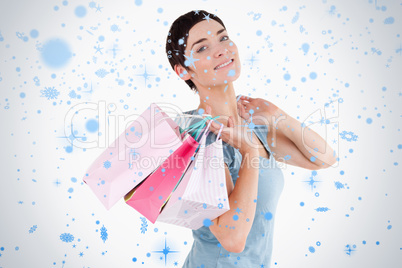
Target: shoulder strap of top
262, 131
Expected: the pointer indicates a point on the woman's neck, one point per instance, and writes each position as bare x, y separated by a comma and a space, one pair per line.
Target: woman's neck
223, 102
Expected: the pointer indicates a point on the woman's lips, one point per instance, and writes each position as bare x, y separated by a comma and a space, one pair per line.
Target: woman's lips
223, 67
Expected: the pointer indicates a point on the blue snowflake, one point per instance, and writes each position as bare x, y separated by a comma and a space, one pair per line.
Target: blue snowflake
220, 205
98, 49
322, 209
339, 185
349, 136
349, 249
375, 50
107, 164
332, 11
311, 182
206, 17
114, 28
67, 237
257, 16
144, 225
190, 60
50, 93
165, 251
295, 18
32, 229
72, 94
133, 154
101, 73
104, 234
37, 81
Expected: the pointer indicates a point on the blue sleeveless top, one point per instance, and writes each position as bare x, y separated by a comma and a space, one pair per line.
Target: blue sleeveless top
206, 251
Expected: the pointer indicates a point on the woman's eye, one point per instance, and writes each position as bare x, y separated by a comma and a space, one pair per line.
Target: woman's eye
224, 38
201, 49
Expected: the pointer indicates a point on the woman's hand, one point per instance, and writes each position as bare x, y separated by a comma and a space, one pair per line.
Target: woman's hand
262, 111
236, 136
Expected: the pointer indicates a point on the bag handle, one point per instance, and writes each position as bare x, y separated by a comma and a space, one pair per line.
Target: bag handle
206, 129
219, 133
200, 126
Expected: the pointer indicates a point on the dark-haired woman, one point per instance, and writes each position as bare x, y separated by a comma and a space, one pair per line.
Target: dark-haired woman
201, 52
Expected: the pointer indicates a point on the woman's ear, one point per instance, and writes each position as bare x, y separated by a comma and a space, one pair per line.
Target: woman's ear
182, 72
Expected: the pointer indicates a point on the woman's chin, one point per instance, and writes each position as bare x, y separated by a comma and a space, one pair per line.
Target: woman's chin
232, 78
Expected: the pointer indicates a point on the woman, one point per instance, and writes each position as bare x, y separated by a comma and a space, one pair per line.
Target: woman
202, 54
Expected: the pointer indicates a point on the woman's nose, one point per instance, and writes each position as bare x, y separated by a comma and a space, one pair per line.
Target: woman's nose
221, 51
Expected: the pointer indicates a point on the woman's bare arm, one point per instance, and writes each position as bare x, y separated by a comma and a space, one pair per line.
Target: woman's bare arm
232, 228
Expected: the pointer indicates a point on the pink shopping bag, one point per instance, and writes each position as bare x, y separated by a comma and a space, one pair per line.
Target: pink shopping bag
202, 193
135, 154
149, 197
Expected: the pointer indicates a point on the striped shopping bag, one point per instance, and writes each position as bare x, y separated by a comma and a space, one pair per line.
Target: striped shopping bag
202, 193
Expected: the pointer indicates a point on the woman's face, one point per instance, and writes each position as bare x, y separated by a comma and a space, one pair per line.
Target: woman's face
212, 57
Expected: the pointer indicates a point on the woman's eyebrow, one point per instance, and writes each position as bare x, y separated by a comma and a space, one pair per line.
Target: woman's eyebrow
203, 39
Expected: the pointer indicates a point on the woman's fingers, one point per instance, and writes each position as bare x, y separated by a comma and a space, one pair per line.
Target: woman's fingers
242, 111
230, 122
245, 103
246, 98
246, 107
208, 109
213, 125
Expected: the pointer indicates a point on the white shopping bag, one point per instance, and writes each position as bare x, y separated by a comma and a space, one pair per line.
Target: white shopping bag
202, 193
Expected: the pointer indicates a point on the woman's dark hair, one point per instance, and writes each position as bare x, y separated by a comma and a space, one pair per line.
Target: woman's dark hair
176, 40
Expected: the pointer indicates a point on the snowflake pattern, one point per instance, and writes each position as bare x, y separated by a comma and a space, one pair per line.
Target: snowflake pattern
257, 16
67, 237
115, 28
37, 81
295, 18
190, 60
349, 136
322, 209
72, 94
339, 185
104, 234
107, 164
349, 249
144, 225
50, 93
101, 73
32, 229
312, 182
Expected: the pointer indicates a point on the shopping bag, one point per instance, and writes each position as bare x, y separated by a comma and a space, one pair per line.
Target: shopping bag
149, 197
202, 193
135, 154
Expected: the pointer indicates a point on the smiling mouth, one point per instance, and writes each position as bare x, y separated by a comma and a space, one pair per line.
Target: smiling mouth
223, 65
